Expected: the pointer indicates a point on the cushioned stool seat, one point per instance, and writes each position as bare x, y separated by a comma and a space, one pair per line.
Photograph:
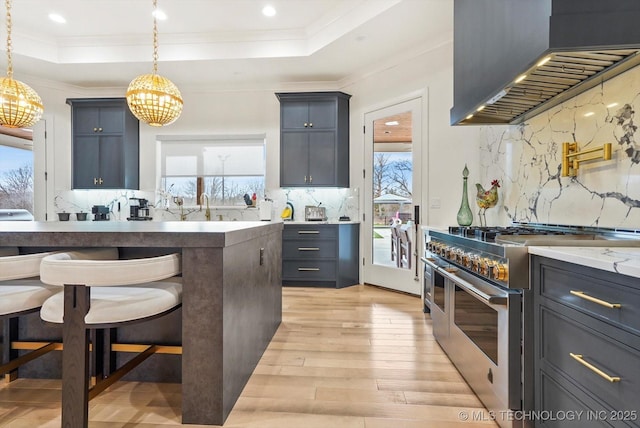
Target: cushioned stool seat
101, 291
111, 305
21, 292
25, 295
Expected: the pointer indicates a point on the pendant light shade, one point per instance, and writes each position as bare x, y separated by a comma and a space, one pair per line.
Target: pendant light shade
152, 98
20, 106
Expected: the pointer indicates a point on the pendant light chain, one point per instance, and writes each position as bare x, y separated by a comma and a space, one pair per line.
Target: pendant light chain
9, 46
155, 37
152, 98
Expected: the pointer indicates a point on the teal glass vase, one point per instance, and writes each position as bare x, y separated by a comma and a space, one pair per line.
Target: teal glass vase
465, 216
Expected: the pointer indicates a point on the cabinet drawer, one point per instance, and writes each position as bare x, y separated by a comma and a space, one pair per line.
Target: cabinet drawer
309, 270
578, 291
563, 336
318, 231
306, 249
558, 396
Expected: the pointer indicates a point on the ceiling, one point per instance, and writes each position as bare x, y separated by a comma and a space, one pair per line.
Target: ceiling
222, 44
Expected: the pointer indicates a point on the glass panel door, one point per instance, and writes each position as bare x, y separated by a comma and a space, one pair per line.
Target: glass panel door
392, 195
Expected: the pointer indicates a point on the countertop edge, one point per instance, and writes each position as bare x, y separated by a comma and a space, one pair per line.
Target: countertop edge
622, 260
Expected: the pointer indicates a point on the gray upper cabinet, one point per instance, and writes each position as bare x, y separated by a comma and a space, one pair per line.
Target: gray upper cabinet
314, 139
105, 144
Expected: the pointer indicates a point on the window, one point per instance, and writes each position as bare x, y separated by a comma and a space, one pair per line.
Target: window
16, 178
225, 168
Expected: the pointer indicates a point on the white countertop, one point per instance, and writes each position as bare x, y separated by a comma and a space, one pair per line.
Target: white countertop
624, 260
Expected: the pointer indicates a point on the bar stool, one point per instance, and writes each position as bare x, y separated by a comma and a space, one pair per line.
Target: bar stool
21, 292
103, 292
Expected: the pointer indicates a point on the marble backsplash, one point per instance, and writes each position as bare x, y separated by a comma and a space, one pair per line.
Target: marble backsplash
527, 160
338, 202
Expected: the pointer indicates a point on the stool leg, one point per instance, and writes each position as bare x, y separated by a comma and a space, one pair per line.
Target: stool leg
9, 334
75, 358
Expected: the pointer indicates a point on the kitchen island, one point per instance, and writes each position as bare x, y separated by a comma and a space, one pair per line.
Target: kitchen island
232, 295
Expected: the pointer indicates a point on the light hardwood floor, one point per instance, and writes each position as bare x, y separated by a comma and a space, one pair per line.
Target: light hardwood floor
359, 357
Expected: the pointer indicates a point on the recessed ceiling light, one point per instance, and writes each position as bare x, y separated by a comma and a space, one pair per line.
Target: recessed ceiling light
589, 114
480, 108
268, 10
469, 117
57, 18
392, 123
159, 15
612, 105
521, 78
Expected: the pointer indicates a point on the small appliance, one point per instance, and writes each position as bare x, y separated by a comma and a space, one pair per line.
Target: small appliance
313, 213
139, 209
100, 213
287, 212
266, 209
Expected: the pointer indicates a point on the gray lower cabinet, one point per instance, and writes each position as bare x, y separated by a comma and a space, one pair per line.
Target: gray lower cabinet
320, 255
586, 345
105, 144
314, 139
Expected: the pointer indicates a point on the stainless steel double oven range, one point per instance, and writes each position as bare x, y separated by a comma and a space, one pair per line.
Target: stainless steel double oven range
476, 286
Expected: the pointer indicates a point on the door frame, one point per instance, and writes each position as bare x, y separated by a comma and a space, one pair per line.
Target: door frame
388, 277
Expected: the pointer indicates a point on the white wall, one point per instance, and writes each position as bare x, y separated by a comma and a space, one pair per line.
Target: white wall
446, 149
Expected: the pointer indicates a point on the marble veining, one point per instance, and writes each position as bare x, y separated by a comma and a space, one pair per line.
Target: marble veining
526, 158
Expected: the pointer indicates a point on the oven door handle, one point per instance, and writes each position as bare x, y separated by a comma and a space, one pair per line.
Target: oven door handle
430, 262
467, 286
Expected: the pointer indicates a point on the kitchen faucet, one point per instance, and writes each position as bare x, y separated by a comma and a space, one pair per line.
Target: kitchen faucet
207, 212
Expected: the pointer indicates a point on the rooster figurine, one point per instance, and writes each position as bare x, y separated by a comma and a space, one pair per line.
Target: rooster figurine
486, 199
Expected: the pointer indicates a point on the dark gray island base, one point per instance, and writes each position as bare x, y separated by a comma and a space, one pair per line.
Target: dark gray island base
232, 295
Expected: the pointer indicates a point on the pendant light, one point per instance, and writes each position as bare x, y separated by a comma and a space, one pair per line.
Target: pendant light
20, 106
152, 98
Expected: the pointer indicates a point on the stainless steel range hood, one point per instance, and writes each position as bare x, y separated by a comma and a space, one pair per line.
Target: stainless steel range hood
514, 59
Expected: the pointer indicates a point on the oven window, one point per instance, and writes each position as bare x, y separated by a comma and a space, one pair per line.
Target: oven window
438, 290
478, 322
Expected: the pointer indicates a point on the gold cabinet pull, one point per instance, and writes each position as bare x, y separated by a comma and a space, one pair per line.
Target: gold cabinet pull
308, 269
579, 358
308, 232
584, 296
308, 249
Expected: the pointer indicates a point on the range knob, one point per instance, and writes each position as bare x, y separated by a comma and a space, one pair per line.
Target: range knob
500, 271
468, 260
485, 267
475, 264
443, 250
449, 253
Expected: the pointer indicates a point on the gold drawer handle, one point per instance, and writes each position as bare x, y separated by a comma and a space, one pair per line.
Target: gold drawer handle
308, 232
308, 269
579, 358
308, 249
584, 296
